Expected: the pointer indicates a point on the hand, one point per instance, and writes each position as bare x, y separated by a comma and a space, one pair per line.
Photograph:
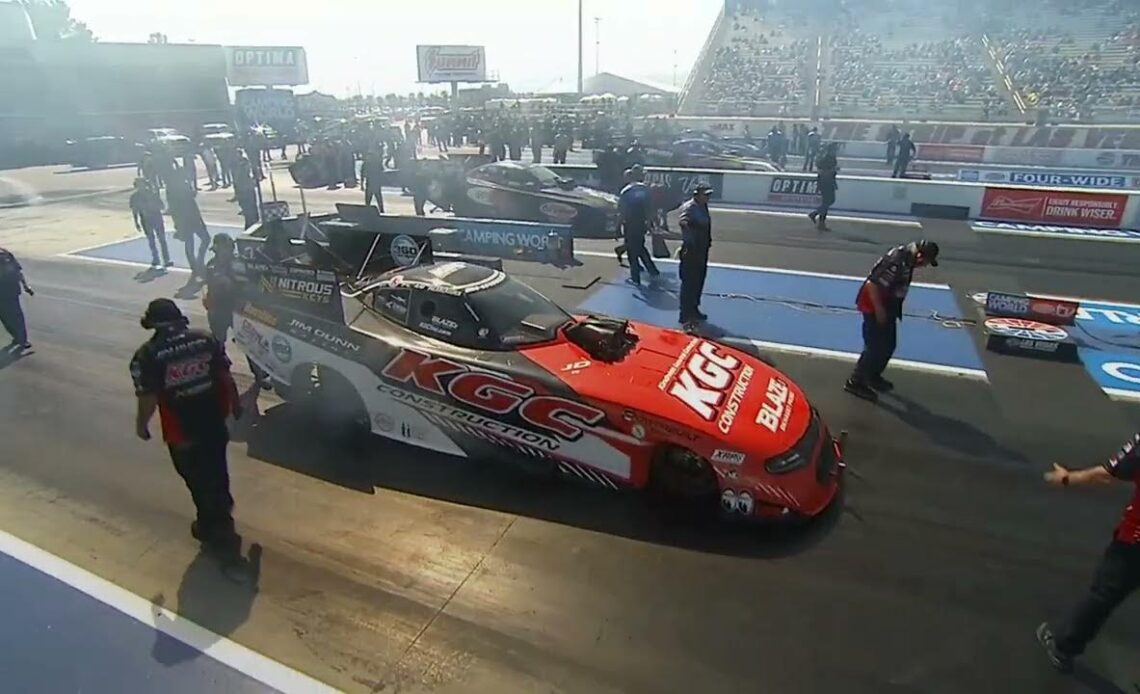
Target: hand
1058, 475
142, 431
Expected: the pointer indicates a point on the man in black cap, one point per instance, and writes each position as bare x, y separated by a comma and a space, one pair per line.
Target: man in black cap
696, 240
880, 300
633, 207
185, 376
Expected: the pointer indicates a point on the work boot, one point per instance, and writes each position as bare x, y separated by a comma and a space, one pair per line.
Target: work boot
1060, 661
860, 390
813, 216
882, 385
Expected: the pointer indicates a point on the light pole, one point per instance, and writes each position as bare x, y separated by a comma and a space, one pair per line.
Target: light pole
580, 47
597, 42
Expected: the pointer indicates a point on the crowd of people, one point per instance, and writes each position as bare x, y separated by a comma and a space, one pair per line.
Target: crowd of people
884, 57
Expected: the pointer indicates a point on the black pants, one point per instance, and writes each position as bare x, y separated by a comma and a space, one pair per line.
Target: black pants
891, 147
900, 167
155, 230
370, 193
878, 348
826, 200
197, 261
204, 468
809, 160
1116, 577
12, 318
693, 269
638, 255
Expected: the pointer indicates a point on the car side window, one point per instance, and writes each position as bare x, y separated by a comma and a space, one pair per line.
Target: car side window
445, 318
489, 175
392, 304
519, 178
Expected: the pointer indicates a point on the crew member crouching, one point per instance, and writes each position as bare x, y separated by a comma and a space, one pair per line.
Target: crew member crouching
880, 300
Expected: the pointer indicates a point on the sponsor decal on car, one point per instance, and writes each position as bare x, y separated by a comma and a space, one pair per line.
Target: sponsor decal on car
776, 409
732, 501
282, 350
253, 342
637, 431
384, 422
481, 196
335, 343
727, 457
711, 383
404, 250
259, 314
424, 382
309, 290
558, 211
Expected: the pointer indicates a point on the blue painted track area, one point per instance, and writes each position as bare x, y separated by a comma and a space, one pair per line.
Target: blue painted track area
59, 639
814, 311
137, 250
1108, 336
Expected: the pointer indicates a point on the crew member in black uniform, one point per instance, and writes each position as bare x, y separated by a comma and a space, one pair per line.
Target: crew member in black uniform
826, 181
11, 313
185, 376
1118, 574
696, 240
633, 207
903, 157
880, 300
221, 297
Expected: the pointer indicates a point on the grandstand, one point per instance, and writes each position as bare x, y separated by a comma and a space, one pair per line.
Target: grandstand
962, 60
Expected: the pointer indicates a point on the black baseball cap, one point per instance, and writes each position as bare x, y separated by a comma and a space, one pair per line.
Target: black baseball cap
702, 188
929, 250
161, 312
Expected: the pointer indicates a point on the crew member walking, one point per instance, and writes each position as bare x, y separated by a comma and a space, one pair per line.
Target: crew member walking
1118, 573
811, 150
185, 376
11, 313
880, 300
905, 154
696, 240
633, 209
146, 208
826, 180
372, 178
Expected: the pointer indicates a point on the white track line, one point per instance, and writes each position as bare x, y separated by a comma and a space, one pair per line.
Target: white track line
803, 215
940, 369
769, 270
242, 659
1118, 394
1057, 235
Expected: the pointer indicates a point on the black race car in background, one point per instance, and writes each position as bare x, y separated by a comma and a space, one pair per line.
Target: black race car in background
517, 191
705, 153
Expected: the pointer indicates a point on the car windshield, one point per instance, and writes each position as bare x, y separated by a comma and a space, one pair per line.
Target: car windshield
517, 314
546, 178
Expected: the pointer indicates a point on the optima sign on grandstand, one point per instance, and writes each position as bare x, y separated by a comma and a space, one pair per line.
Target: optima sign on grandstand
266, 66
451, 63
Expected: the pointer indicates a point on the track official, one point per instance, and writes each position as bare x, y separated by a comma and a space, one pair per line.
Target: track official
12, 281
634, 209
185, 376
1118, 573
696, 240
880, 300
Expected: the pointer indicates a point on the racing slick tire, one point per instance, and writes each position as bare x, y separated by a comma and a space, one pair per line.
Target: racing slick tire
327, 399
679, 477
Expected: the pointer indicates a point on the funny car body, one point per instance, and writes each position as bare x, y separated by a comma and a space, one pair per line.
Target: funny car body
462, 359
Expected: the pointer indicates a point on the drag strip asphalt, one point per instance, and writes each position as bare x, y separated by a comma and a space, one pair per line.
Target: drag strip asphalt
400, 569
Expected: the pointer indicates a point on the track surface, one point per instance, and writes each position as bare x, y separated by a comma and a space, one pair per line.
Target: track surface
410, 572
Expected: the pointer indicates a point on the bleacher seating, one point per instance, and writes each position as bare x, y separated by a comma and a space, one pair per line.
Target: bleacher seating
964, 60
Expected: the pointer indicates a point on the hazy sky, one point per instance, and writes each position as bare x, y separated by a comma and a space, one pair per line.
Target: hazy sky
370, 44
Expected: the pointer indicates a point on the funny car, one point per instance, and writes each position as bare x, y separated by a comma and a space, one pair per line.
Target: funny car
460, 358
525, 192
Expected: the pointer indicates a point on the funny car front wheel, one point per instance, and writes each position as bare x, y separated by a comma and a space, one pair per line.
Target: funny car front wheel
681, 474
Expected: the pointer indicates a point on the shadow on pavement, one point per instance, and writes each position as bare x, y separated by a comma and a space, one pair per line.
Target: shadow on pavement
278, 438
211, 596
12, 354
948, 432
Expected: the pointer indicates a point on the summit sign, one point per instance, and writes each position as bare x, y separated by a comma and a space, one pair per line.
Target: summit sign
266, 66
451, 63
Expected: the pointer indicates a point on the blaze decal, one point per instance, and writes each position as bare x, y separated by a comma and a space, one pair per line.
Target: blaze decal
703, 382
493, 394
777, 406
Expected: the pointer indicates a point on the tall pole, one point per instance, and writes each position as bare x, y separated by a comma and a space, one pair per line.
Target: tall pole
580, 37
597, 42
